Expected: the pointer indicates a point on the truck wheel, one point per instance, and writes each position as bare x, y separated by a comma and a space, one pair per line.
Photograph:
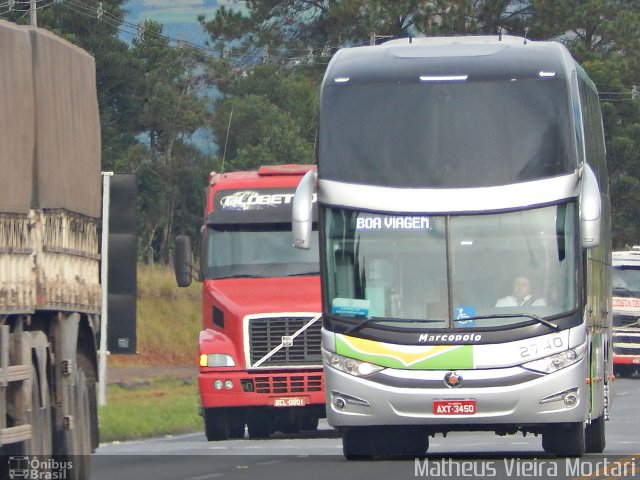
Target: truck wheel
624, 371
259, 425
594, 436
309, 424
566, 440
216, 424
236, 422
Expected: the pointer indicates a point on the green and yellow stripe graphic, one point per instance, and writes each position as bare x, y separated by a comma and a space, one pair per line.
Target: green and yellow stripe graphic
411, 357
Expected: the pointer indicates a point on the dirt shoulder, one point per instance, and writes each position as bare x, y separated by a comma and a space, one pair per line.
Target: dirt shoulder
141, 373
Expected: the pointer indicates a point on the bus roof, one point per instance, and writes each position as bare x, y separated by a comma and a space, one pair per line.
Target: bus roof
438, 58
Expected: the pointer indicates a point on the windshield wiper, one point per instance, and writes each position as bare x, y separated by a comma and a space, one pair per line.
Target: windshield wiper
364, 323
241, 275
538, 319
625, 291
302, 274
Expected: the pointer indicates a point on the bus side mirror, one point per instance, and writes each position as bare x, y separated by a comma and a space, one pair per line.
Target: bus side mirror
182, 262
301, 215
590, 209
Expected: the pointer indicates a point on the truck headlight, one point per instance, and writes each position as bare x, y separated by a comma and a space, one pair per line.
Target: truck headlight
216, 360
348, 365
557, 361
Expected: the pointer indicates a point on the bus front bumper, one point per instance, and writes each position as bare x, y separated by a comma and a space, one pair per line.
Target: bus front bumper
482, 399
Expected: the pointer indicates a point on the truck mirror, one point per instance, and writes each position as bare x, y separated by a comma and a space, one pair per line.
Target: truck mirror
182, 262
301, 215
590, 209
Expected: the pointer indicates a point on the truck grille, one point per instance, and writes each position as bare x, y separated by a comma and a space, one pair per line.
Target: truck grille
268, 333
288, 384
626, 342
625, 321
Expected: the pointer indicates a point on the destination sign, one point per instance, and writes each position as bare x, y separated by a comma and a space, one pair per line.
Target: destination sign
391, 222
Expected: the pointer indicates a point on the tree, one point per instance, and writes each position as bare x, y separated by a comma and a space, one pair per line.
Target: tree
267, 116
172, 108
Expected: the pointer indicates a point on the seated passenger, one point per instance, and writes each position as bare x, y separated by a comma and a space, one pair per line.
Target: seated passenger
521, 296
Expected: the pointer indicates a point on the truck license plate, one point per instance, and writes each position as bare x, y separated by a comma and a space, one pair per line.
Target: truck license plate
289, 402
454, 407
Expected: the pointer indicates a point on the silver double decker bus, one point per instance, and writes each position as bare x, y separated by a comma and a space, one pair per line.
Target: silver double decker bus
464, 220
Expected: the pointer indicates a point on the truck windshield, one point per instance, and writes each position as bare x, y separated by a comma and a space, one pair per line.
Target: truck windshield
257, 251
626, 281
451, 271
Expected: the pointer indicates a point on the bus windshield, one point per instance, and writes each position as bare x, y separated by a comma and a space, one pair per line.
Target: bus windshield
264, 250
446, 135
419, 271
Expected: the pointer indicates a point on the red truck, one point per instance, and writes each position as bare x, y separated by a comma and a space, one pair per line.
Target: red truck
260, 359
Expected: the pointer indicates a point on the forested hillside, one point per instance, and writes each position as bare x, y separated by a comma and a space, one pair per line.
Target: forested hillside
253, 88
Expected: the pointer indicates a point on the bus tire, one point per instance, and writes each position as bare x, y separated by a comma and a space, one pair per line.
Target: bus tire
357, 444
565, 440
594, 436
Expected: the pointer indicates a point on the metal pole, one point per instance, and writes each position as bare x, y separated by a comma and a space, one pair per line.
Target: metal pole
104, 282
32, 13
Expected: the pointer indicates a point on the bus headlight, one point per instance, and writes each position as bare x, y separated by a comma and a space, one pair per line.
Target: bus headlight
348, 365
557, 361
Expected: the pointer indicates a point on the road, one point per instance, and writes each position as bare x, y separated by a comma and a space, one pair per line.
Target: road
319, 456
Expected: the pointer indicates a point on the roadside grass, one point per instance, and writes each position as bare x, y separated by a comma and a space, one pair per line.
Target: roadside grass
168, 320
157, 407
168, 324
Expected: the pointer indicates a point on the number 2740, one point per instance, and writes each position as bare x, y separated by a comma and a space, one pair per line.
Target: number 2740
546, 346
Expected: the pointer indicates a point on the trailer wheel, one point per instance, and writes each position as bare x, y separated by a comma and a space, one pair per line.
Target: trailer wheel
594, 436
81, 431
40, 417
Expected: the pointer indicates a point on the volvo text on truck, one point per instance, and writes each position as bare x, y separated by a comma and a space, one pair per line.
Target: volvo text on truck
626, 312
260, 362
465, 244
51, 296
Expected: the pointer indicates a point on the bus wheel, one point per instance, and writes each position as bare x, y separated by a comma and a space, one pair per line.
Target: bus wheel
357, 444
594, 436
566, 440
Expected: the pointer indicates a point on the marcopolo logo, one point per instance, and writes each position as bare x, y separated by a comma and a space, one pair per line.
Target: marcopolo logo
35, 468
449, 338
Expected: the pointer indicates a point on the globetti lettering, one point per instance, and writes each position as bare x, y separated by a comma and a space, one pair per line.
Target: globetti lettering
250, 199
450, 337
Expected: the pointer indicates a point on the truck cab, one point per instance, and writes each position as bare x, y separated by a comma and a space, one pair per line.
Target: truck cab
626, 312
259, 348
